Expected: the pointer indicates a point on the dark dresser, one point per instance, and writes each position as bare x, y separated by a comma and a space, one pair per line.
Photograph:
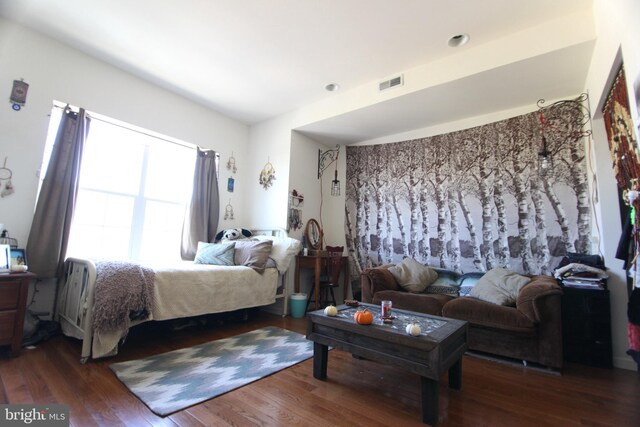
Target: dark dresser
14, 288
586, 326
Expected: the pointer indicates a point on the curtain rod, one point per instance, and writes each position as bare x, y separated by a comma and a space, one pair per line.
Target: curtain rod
114, 122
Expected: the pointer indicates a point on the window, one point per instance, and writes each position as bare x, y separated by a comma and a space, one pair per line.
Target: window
133, 190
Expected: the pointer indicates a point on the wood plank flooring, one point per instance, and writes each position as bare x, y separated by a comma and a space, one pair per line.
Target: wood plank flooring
357, 392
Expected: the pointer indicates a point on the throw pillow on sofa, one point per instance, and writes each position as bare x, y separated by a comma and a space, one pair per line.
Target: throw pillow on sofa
499, 286
413, 276
446, 283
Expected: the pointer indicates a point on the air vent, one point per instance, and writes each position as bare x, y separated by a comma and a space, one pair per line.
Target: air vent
392, 82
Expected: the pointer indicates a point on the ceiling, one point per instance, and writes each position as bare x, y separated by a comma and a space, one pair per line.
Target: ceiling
253, 60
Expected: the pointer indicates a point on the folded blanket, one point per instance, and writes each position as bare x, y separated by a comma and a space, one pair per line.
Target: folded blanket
120, 288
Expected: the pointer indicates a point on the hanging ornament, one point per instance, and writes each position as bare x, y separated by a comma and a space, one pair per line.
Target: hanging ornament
19, 94
5, 180
267, 175
228, 211
231, 164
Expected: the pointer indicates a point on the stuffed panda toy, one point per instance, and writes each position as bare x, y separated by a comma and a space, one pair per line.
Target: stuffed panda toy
233, 234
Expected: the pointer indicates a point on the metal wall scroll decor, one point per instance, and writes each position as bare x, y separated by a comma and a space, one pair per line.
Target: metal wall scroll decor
267, 175
324, 161
566, 119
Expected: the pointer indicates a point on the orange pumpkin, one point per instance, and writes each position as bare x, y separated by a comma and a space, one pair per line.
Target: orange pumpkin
363, 317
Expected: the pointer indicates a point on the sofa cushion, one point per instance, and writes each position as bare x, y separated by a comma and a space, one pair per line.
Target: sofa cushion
467, 281
382, 279
413, 276
539, 288
445, 289
422, 303
489, 315
499, 286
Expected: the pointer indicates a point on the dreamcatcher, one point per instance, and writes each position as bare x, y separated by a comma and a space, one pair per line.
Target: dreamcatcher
267, 175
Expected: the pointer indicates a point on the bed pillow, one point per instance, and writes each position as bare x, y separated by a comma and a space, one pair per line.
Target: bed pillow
499, 286
283, 250
214, 253
253, 253
413, 276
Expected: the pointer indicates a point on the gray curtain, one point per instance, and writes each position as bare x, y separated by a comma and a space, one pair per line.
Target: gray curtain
201, 217
49, 235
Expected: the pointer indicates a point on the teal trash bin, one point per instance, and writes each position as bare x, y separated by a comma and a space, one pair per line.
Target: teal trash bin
298, 304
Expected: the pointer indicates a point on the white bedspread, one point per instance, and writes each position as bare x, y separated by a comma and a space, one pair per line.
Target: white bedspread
184, 289
187, 289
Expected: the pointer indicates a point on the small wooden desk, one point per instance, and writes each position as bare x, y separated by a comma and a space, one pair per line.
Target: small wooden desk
316, 263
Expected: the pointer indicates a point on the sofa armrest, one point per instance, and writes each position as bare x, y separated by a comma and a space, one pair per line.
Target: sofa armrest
376, 279
533, 296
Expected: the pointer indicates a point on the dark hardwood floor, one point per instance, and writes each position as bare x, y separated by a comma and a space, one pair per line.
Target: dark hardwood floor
357, 392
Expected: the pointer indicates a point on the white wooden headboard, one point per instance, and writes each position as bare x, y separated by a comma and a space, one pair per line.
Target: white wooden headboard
275, 232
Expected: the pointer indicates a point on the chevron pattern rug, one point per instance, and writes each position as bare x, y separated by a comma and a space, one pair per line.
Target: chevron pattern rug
172, 381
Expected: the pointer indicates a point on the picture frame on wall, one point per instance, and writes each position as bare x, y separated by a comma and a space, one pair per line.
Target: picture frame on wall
18, 257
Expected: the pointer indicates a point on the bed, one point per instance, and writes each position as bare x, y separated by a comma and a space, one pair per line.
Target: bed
180, 289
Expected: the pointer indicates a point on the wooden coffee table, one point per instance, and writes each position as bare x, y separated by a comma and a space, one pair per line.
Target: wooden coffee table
438, 348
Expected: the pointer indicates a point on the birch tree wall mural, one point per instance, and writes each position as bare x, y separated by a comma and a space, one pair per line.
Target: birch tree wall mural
474, 199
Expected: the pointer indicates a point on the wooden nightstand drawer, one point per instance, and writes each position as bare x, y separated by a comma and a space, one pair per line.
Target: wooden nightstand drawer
9, 294
7, 326
13, 303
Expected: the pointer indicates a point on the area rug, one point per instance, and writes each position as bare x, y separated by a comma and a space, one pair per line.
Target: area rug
172, 381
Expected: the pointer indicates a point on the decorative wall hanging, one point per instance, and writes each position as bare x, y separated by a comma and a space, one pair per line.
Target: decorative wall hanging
267, 175
6, 187
325, 159
231, 164
228, 211
473, 199
230, 184
19, 94
296, 199
296, 202
623, 144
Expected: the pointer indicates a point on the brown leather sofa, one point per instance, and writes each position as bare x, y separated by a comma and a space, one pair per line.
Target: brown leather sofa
530, 331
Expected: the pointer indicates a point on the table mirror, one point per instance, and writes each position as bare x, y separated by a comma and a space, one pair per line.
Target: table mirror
313, 234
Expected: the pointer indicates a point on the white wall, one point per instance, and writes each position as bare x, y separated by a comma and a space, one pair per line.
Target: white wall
57, 72
269, 141
304, 178
618, 38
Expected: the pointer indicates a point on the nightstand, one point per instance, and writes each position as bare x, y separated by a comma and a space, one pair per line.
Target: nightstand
14, 288
586, 326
